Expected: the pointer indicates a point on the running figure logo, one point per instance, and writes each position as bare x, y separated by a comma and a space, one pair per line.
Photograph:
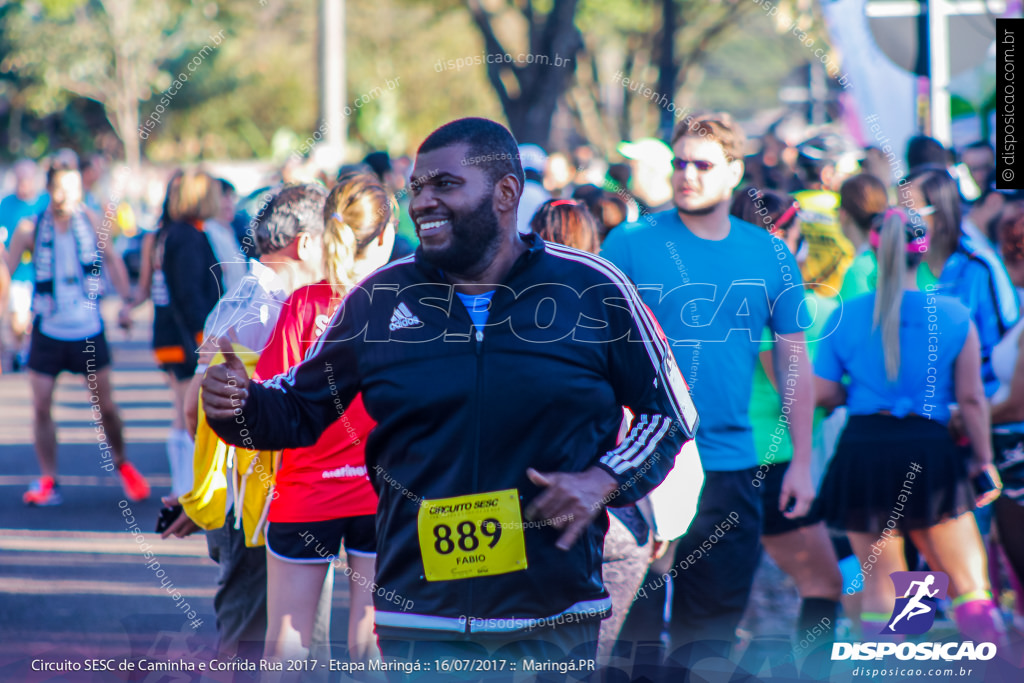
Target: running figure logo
914, 612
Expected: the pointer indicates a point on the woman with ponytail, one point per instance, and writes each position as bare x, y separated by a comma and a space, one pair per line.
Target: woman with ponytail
861, 199
897, 472
322, 495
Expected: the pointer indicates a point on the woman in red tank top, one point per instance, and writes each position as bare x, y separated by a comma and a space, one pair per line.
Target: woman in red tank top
323, 497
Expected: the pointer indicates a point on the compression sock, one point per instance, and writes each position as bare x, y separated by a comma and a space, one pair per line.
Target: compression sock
978, 618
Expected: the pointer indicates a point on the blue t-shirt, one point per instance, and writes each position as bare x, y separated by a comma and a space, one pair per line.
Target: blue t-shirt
933, 330
13, 210
713, 299
478, 306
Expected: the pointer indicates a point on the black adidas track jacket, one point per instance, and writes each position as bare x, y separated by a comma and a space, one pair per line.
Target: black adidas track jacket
567, 344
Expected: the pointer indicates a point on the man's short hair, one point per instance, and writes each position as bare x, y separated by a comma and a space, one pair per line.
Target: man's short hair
491, 146
717, 127
290, 210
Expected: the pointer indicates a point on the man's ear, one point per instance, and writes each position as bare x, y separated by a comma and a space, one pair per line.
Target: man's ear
736, 169
507, 192
304, 246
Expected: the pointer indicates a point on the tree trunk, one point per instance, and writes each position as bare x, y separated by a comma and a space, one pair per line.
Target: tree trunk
668, 65
126, 109
541, 85
128, 131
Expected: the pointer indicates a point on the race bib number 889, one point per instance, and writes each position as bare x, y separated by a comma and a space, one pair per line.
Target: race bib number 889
475, 535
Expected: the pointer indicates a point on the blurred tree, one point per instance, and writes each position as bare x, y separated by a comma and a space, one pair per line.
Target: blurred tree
412, 41
530, 92
261, 79
656, 46
110, 51
642, 55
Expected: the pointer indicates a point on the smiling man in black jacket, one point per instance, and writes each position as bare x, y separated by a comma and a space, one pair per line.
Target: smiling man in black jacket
496, 367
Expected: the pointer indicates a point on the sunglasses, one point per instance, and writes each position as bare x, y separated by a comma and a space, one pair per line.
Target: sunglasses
701, 164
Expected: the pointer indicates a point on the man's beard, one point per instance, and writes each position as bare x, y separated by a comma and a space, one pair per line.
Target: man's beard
474, 233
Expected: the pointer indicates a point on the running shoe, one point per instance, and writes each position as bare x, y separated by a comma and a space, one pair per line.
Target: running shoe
43, 492
135, 485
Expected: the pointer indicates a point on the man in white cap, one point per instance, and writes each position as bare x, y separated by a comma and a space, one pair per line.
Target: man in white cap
534, 160
651, 161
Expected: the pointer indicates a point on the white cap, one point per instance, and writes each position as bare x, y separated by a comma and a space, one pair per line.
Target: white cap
533, 157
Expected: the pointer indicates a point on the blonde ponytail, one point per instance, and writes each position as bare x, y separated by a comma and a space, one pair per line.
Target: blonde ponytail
339, 254
356, 213
892, 271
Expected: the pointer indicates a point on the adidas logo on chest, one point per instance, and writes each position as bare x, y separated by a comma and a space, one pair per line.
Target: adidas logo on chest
402, 318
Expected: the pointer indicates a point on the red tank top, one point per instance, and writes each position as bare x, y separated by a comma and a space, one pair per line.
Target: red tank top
328, 479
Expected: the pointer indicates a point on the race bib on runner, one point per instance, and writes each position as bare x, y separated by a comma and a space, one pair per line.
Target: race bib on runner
475, 535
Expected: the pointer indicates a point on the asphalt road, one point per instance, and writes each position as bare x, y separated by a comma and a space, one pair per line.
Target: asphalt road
74, 583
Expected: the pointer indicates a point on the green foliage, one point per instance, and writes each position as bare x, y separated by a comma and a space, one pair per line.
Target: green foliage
260, 84
110, 51
743, 74
60, 10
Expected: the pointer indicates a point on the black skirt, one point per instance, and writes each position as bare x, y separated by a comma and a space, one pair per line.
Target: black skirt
897, 473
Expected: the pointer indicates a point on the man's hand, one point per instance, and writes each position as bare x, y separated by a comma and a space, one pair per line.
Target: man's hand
796, 488
572, 500
182, 526
225, 386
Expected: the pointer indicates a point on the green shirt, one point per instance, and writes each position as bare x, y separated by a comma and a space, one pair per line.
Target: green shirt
925, 279
771, 430
862, 276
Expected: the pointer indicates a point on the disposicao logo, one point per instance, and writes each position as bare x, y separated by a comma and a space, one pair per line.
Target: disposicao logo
917, 594
914, 613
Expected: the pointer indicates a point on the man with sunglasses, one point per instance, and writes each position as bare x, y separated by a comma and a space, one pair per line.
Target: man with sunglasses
715, 282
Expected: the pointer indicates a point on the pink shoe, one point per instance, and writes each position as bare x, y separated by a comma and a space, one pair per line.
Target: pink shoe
43, 492
135, 485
